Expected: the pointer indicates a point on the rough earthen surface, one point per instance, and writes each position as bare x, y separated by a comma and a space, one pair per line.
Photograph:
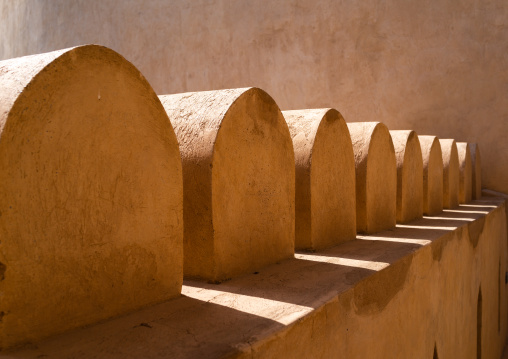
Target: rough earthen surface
376, 176
476, 161
239, 181
432, 175
451, 173
408, 155
368, 298
465, 173
91, 194
325, 178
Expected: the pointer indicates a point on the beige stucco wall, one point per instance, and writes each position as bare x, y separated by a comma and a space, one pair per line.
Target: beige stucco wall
435, 67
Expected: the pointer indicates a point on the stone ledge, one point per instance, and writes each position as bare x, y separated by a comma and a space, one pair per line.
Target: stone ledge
328, 303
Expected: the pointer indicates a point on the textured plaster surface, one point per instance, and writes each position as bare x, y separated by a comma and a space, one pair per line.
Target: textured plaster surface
368, 298
376, 176
91, 194
465, 173
451, 173
239, 181
432, 174
325, 178
408, 155
439, 68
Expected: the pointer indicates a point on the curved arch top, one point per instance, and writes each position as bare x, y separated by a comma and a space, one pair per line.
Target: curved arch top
325, 178
238, 165
432, 175
450, 173
91, 196
408, 154
376, 176
17, 73
465, 173
197, 118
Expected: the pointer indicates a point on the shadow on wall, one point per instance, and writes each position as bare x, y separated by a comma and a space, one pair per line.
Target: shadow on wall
301, 284
334, 270
209, 319
173, 328
341, 267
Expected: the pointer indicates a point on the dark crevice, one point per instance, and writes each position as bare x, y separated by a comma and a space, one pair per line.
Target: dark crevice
479, 326
499, 298
2, 271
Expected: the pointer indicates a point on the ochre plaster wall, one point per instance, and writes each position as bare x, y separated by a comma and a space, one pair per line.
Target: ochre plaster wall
432, 175
238, 179
325, 194
395, 294
439, 68
376, 177
91, 193
408, 154
454, 266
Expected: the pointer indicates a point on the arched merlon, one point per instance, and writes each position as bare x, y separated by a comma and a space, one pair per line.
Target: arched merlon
465, 173
432, 175
325, 178
376, 176
409, 175
239, 181
476, 161
91, 196
450, 173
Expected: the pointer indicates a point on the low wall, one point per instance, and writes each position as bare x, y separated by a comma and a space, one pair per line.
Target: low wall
411, 292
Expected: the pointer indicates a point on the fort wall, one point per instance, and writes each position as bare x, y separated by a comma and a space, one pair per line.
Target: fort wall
437, 68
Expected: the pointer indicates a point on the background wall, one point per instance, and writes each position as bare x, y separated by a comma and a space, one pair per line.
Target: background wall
439, 67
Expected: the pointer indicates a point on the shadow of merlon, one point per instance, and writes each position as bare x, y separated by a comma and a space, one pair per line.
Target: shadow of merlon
212, 320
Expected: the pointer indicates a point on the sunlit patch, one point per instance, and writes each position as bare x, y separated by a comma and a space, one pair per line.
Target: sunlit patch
427, 227
464, 211
421, 242
478, 205
451, 219
281, 312
348, 262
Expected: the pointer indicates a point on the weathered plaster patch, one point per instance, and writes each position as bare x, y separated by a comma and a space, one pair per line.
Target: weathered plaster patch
373, 294
475, 230
438, 246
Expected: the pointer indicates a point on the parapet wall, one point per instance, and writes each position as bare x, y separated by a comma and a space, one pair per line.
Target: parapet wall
403, 293
97, 190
